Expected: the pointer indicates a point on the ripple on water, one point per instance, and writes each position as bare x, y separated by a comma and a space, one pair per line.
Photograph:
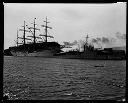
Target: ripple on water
45, 78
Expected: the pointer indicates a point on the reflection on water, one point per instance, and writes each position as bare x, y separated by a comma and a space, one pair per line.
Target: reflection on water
37, 78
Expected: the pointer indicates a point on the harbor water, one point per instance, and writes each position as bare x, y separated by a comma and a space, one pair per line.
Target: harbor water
37, 78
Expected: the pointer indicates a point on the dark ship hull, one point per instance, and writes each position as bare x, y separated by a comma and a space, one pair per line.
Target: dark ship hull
46, 49
44, 53
91, 56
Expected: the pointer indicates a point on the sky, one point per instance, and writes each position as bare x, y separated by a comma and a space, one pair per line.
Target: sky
69, 22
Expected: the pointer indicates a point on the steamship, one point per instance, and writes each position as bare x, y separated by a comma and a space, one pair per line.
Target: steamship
54, 49
92, 53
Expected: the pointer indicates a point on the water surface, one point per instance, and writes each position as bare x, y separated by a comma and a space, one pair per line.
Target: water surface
37, 78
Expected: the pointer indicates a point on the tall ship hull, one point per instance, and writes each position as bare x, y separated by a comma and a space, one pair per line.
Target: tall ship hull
48, 49
44, 53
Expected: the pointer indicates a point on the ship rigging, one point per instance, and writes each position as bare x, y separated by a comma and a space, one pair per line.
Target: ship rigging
46, 27
33, 32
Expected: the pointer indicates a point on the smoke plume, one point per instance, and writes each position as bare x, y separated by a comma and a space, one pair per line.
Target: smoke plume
118, 40
99, 42
121, 36
99, 39
94, 40
105, 40
70, 44
66, 43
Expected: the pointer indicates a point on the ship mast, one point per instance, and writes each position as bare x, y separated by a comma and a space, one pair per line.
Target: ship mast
34, 40
86, 43
87, 39
46, 27
17, 38
34, 32
24, 42
24, 33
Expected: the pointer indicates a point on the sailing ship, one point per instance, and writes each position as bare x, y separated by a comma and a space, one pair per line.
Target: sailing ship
54, 49
34, 48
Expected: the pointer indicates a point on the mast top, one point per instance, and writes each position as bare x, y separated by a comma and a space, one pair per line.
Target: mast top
46, 27
87, 39
46, 20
